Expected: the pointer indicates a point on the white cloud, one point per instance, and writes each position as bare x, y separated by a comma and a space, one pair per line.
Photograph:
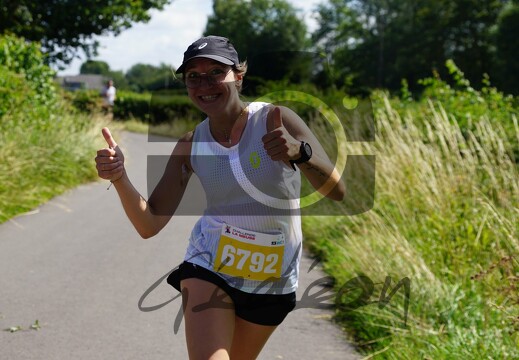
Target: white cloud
165, 37
307, 8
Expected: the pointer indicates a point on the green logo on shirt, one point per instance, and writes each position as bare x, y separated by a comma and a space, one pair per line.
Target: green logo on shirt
254, 160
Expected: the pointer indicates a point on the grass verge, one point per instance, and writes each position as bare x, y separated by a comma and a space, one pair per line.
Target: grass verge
446, 217
42, 159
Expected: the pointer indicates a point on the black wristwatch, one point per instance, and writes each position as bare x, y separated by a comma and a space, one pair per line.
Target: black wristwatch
306, 154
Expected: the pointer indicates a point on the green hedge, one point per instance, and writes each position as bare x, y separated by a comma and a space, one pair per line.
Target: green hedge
155, 108
86, 101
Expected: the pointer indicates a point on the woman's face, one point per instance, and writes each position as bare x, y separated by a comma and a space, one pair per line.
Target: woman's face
216, 85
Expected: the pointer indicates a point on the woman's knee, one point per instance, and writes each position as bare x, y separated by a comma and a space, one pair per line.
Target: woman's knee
209, 327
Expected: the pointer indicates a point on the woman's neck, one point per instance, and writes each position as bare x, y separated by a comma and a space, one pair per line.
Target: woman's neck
228, 126
227, 118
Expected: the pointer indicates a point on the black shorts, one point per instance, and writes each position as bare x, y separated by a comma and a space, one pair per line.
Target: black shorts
262, 309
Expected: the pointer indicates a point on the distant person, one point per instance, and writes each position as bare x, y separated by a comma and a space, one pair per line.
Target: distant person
109, 95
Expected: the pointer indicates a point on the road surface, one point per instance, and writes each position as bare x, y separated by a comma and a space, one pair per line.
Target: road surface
78, 267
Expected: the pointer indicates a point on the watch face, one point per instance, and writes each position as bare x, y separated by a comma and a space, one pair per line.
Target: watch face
308, 150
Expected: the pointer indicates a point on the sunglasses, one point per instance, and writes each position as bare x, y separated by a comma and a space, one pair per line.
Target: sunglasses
216, 76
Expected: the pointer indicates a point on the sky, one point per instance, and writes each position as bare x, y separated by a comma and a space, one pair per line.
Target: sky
166, 36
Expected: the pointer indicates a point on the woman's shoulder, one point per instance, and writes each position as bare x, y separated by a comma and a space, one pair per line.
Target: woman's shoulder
184, 144
187, 137
183, 148
268, 108
258, 105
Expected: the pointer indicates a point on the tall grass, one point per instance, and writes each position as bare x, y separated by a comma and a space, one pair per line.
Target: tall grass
41, 158
446, 216
45, 146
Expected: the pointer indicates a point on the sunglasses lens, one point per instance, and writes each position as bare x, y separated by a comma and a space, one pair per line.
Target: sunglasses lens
193, 82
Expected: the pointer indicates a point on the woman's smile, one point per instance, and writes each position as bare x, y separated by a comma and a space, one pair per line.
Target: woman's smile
209, 98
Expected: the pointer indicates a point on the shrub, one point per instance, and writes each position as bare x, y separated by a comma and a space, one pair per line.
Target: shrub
86, 101
44, 149
132, 105
167, 105
25, 58
466, 105
14, 91
155, 108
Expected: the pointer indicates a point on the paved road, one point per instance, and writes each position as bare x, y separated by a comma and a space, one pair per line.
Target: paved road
78, 267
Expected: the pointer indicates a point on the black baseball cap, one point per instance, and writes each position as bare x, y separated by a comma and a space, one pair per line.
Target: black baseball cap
213, 47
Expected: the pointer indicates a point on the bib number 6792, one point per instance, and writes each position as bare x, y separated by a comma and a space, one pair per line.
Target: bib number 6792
241, 259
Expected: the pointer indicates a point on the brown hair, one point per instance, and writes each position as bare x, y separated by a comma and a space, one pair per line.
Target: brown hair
240, 69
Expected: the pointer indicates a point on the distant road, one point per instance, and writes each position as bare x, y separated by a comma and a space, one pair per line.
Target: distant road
78, 267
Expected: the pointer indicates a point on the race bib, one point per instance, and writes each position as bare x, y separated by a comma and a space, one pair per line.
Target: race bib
248, 254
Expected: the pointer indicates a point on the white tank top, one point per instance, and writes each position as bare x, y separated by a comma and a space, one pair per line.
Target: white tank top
246, 189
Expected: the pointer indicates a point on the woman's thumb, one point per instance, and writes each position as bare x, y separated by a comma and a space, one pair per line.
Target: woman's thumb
278, 122
108, 137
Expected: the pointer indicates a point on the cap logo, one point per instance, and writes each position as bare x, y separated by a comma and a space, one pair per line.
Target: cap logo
202, 46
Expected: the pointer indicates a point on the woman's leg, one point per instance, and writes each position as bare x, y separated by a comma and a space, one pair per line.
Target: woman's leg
249, 339
210, 319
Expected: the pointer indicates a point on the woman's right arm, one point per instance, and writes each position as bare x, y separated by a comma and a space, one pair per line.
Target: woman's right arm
148, 217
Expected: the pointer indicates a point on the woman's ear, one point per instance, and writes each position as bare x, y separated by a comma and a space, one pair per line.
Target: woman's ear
238, 80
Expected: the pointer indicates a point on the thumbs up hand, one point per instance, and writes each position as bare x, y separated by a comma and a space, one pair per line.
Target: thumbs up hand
279, 144
110, 161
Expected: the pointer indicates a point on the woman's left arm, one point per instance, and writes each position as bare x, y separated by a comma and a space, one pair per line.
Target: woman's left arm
285, 131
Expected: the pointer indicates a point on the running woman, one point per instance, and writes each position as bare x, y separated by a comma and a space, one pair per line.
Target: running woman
241, 268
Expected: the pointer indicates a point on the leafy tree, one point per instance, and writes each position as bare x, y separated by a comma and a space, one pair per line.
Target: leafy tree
376, 43
94, 67
22, 65
268, 33
64, 27
469, 41
145, 77
507, 44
